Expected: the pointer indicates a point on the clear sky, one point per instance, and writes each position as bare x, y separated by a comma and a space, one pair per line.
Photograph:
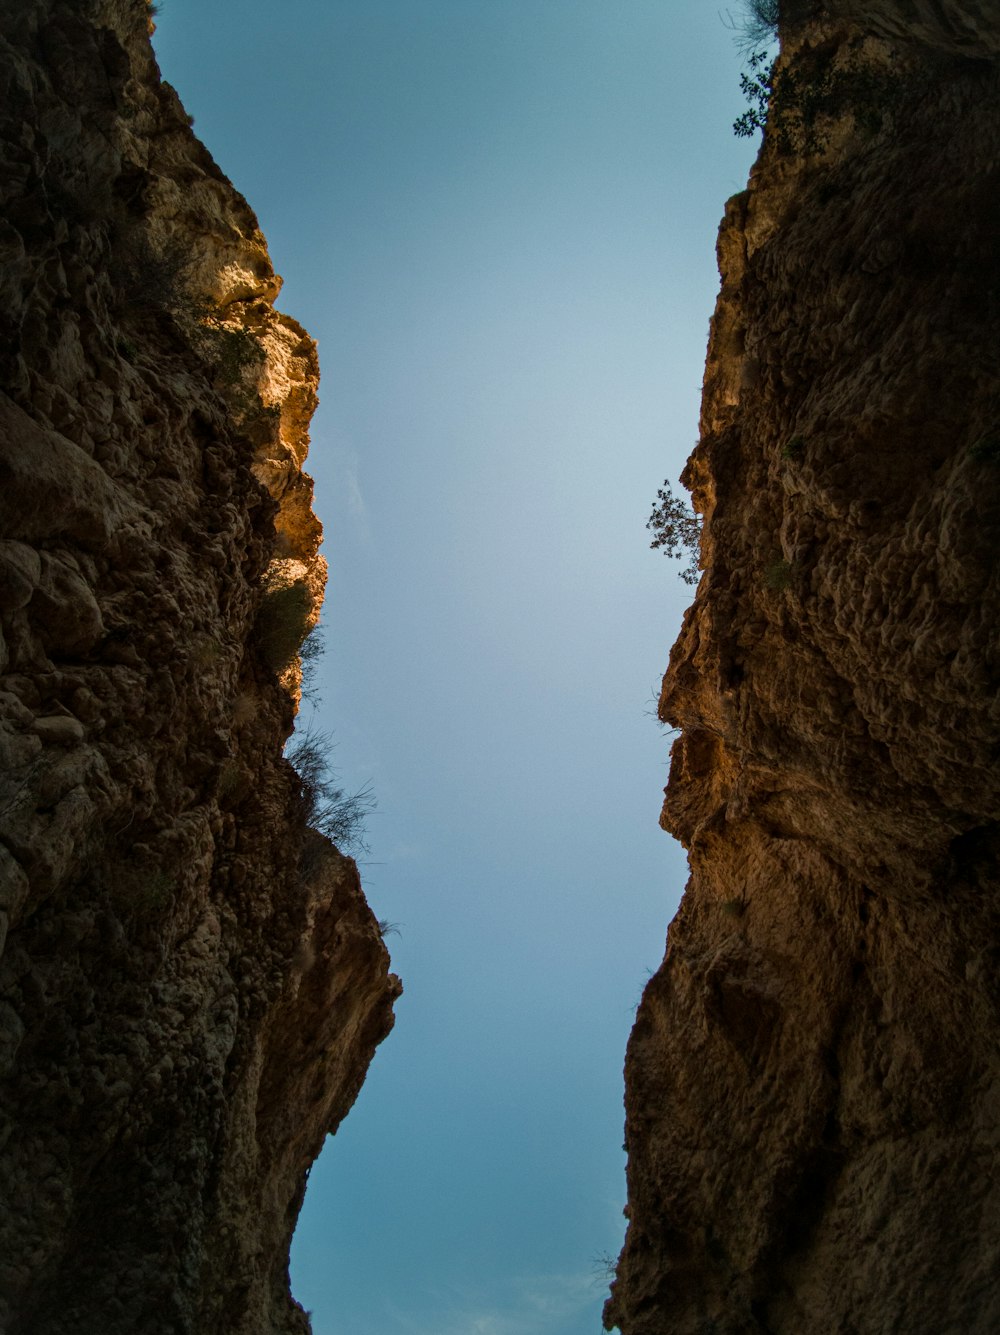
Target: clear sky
498, 218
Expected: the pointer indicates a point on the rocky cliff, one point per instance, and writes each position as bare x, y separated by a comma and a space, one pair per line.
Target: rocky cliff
191, 982
813, 1081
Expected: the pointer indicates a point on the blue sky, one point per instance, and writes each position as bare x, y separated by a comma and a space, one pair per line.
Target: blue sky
498, 218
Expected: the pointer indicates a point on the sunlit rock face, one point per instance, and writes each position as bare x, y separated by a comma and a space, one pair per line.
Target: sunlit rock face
813, 1082
191, 982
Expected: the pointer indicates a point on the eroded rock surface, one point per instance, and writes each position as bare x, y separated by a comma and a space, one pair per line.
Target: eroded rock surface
965, 27
191, 982
813, 1081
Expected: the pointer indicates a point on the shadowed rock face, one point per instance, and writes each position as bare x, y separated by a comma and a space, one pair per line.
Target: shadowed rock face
813, 1085
191, 983
964, 27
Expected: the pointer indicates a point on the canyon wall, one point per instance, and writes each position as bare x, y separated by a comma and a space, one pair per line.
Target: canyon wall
813, 1080
191, 983
964, 27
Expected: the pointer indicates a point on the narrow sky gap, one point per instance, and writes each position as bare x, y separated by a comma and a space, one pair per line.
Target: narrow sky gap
498, 220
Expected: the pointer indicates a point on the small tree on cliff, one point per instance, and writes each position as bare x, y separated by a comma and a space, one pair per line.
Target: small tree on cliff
758, 25
676, 529
323, 804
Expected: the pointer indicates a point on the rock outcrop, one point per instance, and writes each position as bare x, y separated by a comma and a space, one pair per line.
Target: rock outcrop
964, 27
191, 983
813, 1081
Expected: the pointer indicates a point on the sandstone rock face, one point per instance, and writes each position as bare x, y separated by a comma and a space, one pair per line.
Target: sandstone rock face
965, 27
191, 982
813, 1081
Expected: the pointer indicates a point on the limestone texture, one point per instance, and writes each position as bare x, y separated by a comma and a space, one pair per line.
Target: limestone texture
191, 982
813, 1080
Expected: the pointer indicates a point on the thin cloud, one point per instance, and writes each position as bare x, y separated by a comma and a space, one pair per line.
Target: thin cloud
527, 1305
347, 481
355, 500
